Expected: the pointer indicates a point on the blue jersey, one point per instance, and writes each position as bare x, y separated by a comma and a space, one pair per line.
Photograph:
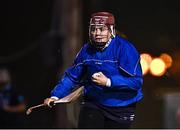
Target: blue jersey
120, 62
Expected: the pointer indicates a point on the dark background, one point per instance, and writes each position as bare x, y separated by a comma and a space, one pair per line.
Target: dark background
153, 27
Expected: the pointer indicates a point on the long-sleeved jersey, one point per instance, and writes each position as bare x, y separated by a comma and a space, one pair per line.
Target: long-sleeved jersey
120, 62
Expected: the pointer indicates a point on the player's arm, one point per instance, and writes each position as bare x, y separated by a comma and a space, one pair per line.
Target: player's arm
70, 79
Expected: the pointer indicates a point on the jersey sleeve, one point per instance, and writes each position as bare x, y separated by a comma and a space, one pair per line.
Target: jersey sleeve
71, 78
129, 67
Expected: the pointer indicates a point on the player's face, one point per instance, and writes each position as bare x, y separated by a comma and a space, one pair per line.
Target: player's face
100, 33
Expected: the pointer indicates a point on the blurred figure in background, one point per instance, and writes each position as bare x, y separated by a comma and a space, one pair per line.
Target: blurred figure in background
12, 104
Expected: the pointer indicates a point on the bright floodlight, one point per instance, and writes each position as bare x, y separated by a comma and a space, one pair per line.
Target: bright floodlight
157, 67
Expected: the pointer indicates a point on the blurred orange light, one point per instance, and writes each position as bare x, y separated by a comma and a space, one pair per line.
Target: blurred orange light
145, 66
157, 67
145, 62
167, 59
146, 57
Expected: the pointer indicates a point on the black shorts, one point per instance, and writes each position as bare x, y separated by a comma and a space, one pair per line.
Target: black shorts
93, 115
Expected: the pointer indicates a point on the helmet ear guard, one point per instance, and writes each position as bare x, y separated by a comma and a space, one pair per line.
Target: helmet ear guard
113, 32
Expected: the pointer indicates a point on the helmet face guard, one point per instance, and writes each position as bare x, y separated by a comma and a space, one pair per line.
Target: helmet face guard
101, 20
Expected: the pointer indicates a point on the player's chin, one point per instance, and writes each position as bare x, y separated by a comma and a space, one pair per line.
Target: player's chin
100, 40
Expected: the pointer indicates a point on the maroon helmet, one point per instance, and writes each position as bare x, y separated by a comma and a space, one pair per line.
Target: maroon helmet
102, 18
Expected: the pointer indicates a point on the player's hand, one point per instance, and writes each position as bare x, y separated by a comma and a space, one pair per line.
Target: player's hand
48, 101
99, 78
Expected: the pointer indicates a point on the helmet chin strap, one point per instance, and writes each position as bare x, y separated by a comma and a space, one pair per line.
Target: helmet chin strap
101, 45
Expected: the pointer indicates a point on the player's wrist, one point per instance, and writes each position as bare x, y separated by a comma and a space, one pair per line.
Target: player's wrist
108, 83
